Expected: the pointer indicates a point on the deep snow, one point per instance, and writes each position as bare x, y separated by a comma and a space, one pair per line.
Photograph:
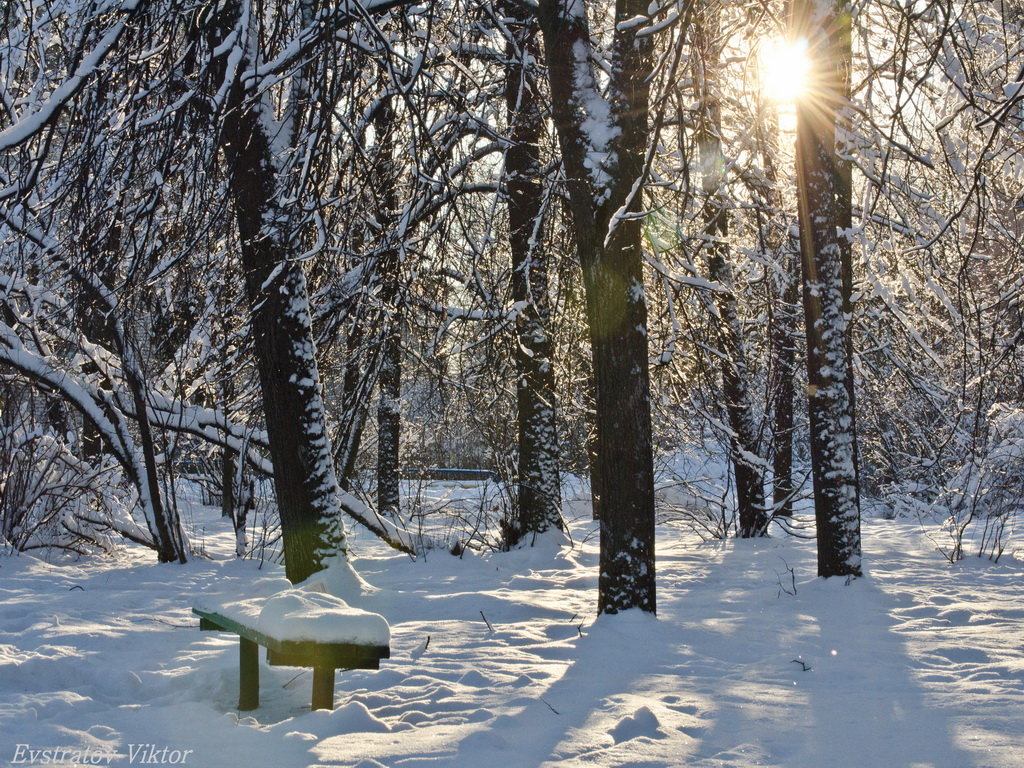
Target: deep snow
498, 660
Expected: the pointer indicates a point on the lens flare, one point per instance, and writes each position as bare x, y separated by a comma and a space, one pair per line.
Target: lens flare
785, 67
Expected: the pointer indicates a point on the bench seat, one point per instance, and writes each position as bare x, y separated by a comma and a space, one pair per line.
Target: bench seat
319, 640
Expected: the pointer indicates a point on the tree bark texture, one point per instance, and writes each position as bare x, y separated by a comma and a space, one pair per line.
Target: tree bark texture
780, 244
539, 492
603, 144
782, 336
389, 404
356, 391
826, 296
389, 421
304, 477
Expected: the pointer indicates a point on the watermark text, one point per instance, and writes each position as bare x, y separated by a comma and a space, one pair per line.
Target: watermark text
137, 754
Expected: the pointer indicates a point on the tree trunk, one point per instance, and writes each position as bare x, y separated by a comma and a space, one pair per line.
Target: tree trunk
743, 442
389, 421
354, 398
782, 337
780, 244
603, 146
825, 264
539, 493
228, 464
843, 44
165, 527
162, 521
304, 477
389, 267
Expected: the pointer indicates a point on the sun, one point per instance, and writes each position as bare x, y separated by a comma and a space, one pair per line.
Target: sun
785, 67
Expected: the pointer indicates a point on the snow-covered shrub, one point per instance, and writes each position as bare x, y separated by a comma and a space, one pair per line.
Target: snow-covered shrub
695, 487
48, 495
985, 496
455, 515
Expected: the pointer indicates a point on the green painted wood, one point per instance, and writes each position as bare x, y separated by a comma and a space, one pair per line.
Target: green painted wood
248, 675
323, 688
324, 658
216, 621
296, 653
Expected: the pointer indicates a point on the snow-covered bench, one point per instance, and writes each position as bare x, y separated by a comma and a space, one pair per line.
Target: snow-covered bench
299, 629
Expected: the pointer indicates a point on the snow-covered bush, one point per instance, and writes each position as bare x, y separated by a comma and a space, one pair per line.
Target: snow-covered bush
985, 496
48, 495
695, 487
456, 515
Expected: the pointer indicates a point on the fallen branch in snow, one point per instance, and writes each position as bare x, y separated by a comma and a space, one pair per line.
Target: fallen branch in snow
549, 706
486, 621
791, 591
292, 680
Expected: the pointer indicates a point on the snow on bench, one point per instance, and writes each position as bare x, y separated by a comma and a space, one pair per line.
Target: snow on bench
299, 629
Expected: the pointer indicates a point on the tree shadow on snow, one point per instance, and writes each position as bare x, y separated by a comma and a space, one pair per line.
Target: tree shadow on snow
811, 672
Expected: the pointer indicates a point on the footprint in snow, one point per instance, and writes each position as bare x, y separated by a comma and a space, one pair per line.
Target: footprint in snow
643, 722
962, 655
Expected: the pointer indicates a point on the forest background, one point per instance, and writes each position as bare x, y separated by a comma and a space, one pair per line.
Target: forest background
330, 243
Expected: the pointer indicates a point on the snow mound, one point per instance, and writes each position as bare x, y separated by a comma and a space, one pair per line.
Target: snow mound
643, 722
483, 741
300, 736
340, 579
474, 680
355, 717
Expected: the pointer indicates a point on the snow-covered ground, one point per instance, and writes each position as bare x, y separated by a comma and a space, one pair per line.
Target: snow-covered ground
499, 660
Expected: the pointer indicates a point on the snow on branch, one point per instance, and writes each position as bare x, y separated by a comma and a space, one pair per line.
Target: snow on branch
29, 125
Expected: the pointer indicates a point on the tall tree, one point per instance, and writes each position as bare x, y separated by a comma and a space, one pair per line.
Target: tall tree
743, 440
265, 182
827, 285
389, 403
777, 241
603, 139
539, 495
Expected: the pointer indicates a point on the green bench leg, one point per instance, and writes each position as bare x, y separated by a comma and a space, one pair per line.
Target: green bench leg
248, 675
323, 687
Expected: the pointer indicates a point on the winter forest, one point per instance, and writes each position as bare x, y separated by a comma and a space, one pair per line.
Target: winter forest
653, 368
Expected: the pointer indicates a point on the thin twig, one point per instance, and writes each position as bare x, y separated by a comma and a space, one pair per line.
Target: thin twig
294, 678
